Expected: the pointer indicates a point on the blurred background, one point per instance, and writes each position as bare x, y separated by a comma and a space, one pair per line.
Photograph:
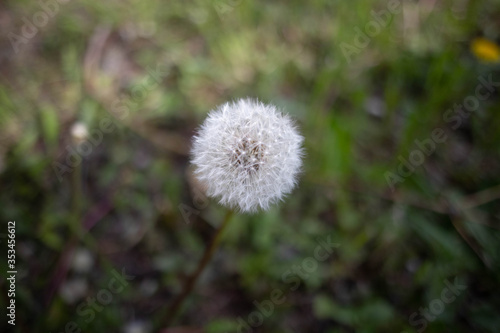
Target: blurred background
399, 106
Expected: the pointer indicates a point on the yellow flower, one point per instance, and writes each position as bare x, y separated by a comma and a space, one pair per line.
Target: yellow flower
485, 50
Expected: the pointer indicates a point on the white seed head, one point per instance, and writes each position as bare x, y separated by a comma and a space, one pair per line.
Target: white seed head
79, 132
248, 154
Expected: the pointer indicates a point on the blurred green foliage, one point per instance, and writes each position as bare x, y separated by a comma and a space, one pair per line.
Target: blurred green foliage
93, 60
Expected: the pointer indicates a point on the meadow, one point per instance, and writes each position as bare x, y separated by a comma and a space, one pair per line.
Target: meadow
394, 224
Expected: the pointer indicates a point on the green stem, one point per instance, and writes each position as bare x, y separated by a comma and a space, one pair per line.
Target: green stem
193, 278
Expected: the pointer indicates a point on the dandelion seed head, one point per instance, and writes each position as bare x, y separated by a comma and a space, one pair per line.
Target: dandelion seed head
248, 154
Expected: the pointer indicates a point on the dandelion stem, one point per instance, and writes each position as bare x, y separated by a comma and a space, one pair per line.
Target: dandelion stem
193, 278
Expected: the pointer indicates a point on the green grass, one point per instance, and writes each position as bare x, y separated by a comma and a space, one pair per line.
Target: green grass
358, 116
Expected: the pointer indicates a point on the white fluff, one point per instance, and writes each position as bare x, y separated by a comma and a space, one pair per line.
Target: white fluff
248, 154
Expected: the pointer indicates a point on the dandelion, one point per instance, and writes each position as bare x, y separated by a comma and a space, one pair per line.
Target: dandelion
485, 50
79, 132
248, 155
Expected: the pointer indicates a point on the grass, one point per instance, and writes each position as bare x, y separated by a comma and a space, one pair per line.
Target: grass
154, 69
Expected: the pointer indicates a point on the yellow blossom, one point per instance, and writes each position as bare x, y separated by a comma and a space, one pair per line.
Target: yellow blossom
485, 50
